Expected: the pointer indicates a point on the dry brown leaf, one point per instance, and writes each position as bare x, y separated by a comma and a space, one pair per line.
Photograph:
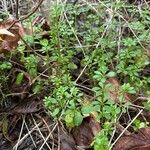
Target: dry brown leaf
6, 32
10, 37
27, 106
85, 133
139, 141
66, 141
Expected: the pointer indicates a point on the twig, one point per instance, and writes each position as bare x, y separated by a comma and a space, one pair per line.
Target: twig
21, 131
125, 129
30, 135
143, 98
40, 132
84, 87
27, 16
73, 30
26, 135
80, 74
48, 136
17, 8
121, 129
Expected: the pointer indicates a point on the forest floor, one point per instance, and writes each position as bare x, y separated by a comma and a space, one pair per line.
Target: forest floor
75, 77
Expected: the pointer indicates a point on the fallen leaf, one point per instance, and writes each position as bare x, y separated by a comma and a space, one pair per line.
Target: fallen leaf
5, 46
5, 125
29, 105
85, 133
139, 141
10, 37
6, 32
66, 141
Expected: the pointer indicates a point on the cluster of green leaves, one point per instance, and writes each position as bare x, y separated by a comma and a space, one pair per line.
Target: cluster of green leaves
102, 60
101, 140
5, 67
63, 103
131, 62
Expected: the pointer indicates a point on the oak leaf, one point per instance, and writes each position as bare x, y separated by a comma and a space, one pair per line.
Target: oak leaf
85, 133
6, 32
139, 141
10, 37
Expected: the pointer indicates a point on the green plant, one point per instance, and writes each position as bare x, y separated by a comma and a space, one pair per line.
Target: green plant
5, 65
102, 60
64, 101
131, 62
101, 140
137, 124
31, 65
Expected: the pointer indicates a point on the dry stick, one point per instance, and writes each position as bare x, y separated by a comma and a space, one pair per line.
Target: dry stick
47, 126
58, 129
81, 73
74, 33
26, 135
17, 8
84, 87
111, 138
125, 129
30, 135
33, 81
48, 136
40, 132
27, 16
21, 131
121, 128
147, 4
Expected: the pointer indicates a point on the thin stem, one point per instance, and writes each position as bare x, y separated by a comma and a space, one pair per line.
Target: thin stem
27, 16
17, 8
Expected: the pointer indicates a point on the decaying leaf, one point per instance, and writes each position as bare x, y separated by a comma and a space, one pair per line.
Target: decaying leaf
10, 37
66, 140
139, 141
6, 32
85, 133
29, 105
5, 127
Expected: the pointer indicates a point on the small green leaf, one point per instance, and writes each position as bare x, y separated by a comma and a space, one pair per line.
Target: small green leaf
5, 65
87, 109
78, 118
72, 66
55, 112
19, 78
37, 88
53, 100
146, 105
29, 39
69, 118
44, 42
111, 74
